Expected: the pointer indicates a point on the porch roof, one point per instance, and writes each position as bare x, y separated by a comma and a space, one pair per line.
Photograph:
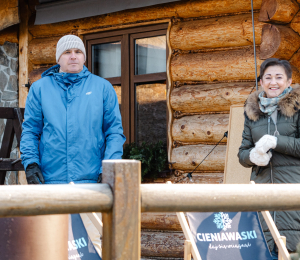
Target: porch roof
53, 11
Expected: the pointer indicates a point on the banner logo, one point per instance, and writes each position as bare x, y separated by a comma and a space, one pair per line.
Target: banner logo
222, 221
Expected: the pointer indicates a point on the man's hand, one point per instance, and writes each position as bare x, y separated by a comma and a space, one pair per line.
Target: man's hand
99, 178
34, 174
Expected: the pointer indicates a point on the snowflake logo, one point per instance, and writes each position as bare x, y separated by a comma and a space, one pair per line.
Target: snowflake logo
222, 221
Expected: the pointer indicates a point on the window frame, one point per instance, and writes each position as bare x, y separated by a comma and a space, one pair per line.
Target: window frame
128, 79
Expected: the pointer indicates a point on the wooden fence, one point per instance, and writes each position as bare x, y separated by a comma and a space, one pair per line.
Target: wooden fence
121, 198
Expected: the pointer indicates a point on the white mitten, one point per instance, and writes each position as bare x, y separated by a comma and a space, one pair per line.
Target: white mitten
258, 158
266, 143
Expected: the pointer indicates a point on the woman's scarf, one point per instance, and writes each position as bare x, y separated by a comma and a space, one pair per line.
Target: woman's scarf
269, 105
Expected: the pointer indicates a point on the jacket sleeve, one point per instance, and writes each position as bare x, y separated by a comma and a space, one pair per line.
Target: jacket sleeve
246, 146
32, 128
112, 125
289, 145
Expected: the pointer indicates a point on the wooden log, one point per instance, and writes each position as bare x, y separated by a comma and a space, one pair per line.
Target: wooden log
28, 200
36, 74
228, 31
47, 46
278, 11
124, 178
157, 244
160, 221
176, 9
211, 66
198, 177
225, 197
9, 35
200, 128
189, 156
23, 55
9, 13
295, 23
210, 97
278, 41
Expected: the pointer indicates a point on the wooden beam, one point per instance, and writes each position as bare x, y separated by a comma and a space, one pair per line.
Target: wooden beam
29, 200
278, 11
189, 156
215, 198
124, 177
9, 13
23, 53
218, 32
278, 41
218, 65
200, 128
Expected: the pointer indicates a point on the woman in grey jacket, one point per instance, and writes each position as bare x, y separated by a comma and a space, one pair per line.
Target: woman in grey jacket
271, 143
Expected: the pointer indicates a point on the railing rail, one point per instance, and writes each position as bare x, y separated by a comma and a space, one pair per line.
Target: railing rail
121, 198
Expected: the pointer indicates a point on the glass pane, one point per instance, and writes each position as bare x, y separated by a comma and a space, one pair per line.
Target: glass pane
118, 91
106, 59
151, 113
150, 55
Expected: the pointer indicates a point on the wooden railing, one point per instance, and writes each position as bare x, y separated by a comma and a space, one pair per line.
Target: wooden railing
121, 199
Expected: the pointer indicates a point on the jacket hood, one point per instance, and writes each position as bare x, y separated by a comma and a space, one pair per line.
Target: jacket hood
288, 105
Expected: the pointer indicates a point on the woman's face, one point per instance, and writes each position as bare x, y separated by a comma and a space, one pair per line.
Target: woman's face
274, 81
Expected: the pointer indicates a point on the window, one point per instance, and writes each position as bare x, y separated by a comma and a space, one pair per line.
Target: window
134, 61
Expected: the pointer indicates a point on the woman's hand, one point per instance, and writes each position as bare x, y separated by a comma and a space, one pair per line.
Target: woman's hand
264, 144
260, 159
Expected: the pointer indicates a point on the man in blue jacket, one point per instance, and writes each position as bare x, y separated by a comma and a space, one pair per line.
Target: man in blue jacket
72, 121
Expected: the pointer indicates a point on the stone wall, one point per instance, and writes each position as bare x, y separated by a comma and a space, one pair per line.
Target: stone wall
9, 92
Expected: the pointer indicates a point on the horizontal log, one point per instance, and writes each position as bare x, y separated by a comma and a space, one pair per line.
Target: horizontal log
158, 244
219, 65
278, 41
177, 9
9, 13
210, 97
42, 51
29, 200
225, 197
9, 35
160, 221
295, 23
278, 11
198, 177
200, 128
36, 74
218, 32
189, 156
296, 75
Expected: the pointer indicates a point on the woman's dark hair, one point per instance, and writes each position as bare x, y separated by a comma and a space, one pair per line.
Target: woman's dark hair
276, 62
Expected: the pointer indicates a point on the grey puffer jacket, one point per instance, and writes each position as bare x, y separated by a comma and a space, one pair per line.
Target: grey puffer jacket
284, 166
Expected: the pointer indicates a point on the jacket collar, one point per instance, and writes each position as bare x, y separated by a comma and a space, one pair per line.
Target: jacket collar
288, 105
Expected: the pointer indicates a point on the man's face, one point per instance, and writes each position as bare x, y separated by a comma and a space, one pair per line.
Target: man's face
71, 61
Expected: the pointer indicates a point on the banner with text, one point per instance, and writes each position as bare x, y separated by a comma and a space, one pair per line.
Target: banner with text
229, 235
80, 246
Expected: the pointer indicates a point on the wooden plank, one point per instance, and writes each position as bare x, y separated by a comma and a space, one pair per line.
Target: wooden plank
234, 172
280, 256
9, 13
6, 165
124, 177
23, 53
187, 250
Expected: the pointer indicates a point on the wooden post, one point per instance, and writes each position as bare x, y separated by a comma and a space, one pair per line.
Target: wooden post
280, 255
23, 65
187, 250
122, 227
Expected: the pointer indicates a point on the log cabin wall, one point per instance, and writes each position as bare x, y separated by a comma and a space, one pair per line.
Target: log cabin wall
211, 67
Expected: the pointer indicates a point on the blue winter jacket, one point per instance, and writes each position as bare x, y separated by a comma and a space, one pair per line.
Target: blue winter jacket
72, 123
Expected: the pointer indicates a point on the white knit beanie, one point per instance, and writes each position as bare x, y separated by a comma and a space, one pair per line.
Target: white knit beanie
69, 42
